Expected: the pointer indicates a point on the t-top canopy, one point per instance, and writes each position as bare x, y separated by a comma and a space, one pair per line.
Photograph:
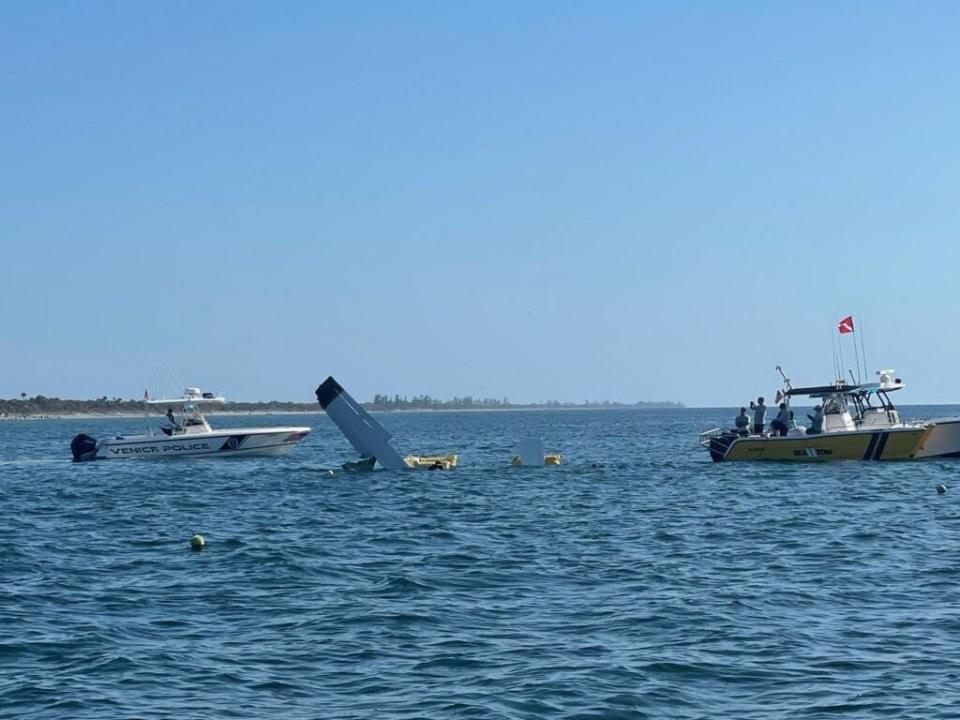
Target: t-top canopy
882, 386
192, 396
822, 390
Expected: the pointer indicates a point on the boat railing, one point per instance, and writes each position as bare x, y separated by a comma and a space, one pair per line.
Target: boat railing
706, 437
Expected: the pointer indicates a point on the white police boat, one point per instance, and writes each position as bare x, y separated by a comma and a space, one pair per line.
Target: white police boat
186, 433
876, 410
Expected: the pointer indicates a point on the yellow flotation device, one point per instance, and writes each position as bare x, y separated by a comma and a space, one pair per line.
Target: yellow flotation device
547, 460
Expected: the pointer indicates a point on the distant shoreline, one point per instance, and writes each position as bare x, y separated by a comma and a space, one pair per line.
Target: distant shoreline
320, 411
40, 406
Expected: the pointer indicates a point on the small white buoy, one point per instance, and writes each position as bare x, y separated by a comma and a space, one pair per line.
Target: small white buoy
197, 542
330, 473
941, 489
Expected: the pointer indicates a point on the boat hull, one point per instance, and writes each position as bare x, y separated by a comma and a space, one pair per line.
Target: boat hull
943, 440
889, 444
238, 442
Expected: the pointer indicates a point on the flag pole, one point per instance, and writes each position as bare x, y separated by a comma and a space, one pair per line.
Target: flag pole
842, 361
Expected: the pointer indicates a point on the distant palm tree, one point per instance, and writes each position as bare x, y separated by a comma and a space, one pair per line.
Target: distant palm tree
23, 396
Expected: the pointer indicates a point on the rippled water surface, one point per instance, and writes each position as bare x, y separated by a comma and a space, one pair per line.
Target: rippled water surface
660, 585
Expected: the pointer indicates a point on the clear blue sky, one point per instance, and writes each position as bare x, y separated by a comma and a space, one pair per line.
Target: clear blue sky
543, 200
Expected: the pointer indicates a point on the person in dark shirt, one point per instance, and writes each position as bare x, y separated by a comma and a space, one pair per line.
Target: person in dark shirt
816, 421
743, 422
782, 422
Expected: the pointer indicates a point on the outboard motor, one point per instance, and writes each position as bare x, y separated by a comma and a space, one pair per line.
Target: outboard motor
83, 447
721, 444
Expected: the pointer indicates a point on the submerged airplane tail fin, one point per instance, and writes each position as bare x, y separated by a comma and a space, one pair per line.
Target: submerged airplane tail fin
530, 452
365, 434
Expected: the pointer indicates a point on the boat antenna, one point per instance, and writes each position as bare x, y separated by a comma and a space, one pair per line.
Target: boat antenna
833, 349
863, 354
786, 380
146, 411
856, 354
784, 395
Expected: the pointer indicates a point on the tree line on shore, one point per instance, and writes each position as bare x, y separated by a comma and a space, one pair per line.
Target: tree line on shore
40, 405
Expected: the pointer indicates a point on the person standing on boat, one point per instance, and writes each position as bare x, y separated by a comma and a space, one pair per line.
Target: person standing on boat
759, 415
816, 421
743, 422
781, 423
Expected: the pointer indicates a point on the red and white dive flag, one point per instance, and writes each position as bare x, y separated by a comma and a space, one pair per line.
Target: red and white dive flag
846, 325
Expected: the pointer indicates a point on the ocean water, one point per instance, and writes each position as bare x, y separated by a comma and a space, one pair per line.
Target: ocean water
658, 586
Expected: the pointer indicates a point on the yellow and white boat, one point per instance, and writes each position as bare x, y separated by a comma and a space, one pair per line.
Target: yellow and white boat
845, 436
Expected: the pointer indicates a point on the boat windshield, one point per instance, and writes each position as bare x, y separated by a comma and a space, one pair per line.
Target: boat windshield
834, 404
